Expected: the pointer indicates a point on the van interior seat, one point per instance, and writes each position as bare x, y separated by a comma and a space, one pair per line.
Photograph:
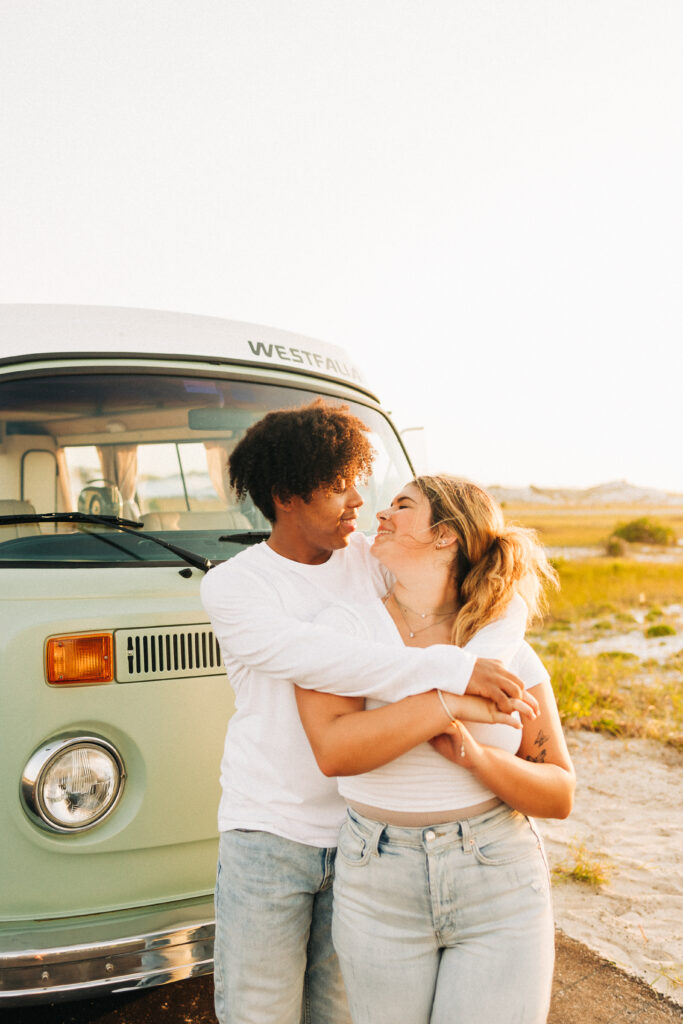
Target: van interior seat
227, 519
14, 507
130, 510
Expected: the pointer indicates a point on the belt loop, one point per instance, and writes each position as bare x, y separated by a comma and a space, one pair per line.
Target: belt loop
374, 838
467, 837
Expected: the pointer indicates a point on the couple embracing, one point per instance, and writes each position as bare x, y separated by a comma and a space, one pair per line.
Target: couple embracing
393, 734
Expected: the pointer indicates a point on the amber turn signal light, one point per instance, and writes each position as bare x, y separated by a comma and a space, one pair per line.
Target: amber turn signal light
84, 658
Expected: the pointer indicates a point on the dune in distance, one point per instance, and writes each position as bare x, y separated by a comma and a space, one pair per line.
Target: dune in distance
616, 492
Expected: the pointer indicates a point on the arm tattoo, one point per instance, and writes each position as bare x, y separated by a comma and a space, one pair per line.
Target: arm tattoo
543, 753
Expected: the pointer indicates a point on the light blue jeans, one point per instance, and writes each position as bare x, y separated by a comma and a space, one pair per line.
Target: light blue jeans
449, 925
274, 960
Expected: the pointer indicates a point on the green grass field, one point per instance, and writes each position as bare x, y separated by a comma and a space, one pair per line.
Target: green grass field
582, 526
618, 696
590, 587
610, 692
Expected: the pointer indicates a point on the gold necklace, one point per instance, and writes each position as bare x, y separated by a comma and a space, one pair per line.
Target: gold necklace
414, 632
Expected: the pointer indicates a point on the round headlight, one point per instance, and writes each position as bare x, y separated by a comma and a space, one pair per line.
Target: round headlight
73, 783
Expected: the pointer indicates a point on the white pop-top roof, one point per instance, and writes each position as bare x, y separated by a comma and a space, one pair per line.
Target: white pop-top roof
96, 331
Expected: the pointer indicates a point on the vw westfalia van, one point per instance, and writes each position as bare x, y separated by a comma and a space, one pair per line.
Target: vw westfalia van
115, 430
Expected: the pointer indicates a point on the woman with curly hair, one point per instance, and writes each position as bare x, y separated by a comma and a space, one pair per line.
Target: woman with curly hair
442, 905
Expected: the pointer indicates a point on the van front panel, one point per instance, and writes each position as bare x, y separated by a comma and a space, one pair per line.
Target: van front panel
98, 464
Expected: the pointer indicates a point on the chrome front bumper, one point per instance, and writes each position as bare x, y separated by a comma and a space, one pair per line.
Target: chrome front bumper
53, 967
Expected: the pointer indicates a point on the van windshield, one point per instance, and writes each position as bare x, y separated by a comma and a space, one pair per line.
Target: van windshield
151, 449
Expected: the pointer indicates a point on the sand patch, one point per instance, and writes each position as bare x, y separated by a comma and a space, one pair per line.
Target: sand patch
633, 638
626, 633
629, 815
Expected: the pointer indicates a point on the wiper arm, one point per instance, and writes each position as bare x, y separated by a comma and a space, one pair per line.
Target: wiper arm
125, 525
252, 537
70, 517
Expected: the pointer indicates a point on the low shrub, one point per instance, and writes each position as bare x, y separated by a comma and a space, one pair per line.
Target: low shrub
582, 866
615, 547
645, 530
617, 656
560, 627
660, 629
560, 649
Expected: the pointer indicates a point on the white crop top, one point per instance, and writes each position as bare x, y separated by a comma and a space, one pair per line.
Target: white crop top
421, 779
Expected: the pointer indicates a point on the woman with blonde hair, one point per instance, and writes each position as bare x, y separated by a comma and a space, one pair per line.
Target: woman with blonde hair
442, 897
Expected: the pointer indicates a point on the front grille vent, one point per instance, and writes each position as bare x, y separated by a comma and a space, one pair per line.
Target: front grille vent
170, 652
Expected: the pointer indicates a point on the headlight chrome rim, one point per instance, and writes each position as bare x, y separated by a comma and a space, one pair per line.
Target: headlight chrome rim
38, 766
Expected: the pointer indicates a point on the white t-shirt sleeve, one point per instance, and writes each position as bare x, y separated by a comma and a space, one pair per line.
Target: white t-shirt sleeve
528, 666
253, 628
502, 638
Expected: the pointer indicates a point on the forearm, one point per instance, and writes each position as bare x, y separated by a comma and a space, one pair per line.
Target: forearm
358, 741
318, 658
348, 740
541, 790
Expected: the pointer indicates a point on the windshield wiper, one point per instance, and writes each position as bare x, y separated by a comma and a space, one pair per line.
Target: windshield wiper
70, 517
252, 537
125, 525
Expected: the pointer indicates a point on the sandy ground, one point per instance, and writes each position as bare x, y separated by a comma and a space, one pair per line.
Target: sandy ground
632, 639
629, 815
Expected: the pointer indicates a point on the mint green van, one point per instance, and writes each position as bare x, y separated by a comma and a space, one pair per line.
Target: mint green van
115, 430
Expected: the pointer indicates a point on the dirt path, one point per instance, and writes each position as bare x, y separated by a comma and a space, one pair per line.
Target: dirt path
628, 815
586, 990
589, 990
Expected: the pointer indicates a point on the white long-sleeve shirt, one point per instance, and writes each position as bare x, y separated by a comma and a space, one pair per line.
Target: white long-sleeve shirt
262, 608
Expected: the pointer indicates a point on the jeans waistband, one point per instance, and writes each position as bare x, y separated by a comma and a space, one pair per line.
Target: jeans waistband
434, 836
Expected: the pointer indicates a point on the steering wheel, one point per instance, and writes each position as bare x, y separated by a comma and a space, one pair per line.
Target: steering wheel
97, 501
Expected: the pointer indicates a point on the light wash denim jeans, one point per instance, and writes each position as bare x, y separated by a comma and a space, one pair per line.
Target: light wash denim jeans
449, 925
274, 959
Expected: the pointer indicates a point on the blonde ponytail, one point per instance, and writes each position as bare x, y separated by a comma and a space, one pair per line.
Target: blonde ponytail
493, 561
513, 564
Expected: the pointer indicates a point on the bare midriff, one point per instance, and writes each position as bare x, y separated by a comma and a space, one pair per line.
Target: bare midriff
422, 819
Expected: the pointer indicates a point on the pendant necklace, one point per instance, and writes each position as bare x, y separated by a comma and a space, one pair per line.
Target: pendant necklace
423, 615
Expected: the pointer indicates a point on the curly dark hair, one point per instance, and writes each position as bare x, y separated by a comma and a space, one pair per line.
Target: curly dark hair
292, 452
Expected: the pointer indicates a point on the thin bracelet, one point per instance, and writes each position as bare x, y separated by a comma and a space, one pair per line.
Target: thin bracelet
444, 705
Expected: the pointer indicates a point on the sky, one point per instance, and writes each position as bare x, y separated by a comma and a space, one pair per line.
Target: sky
480, 199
